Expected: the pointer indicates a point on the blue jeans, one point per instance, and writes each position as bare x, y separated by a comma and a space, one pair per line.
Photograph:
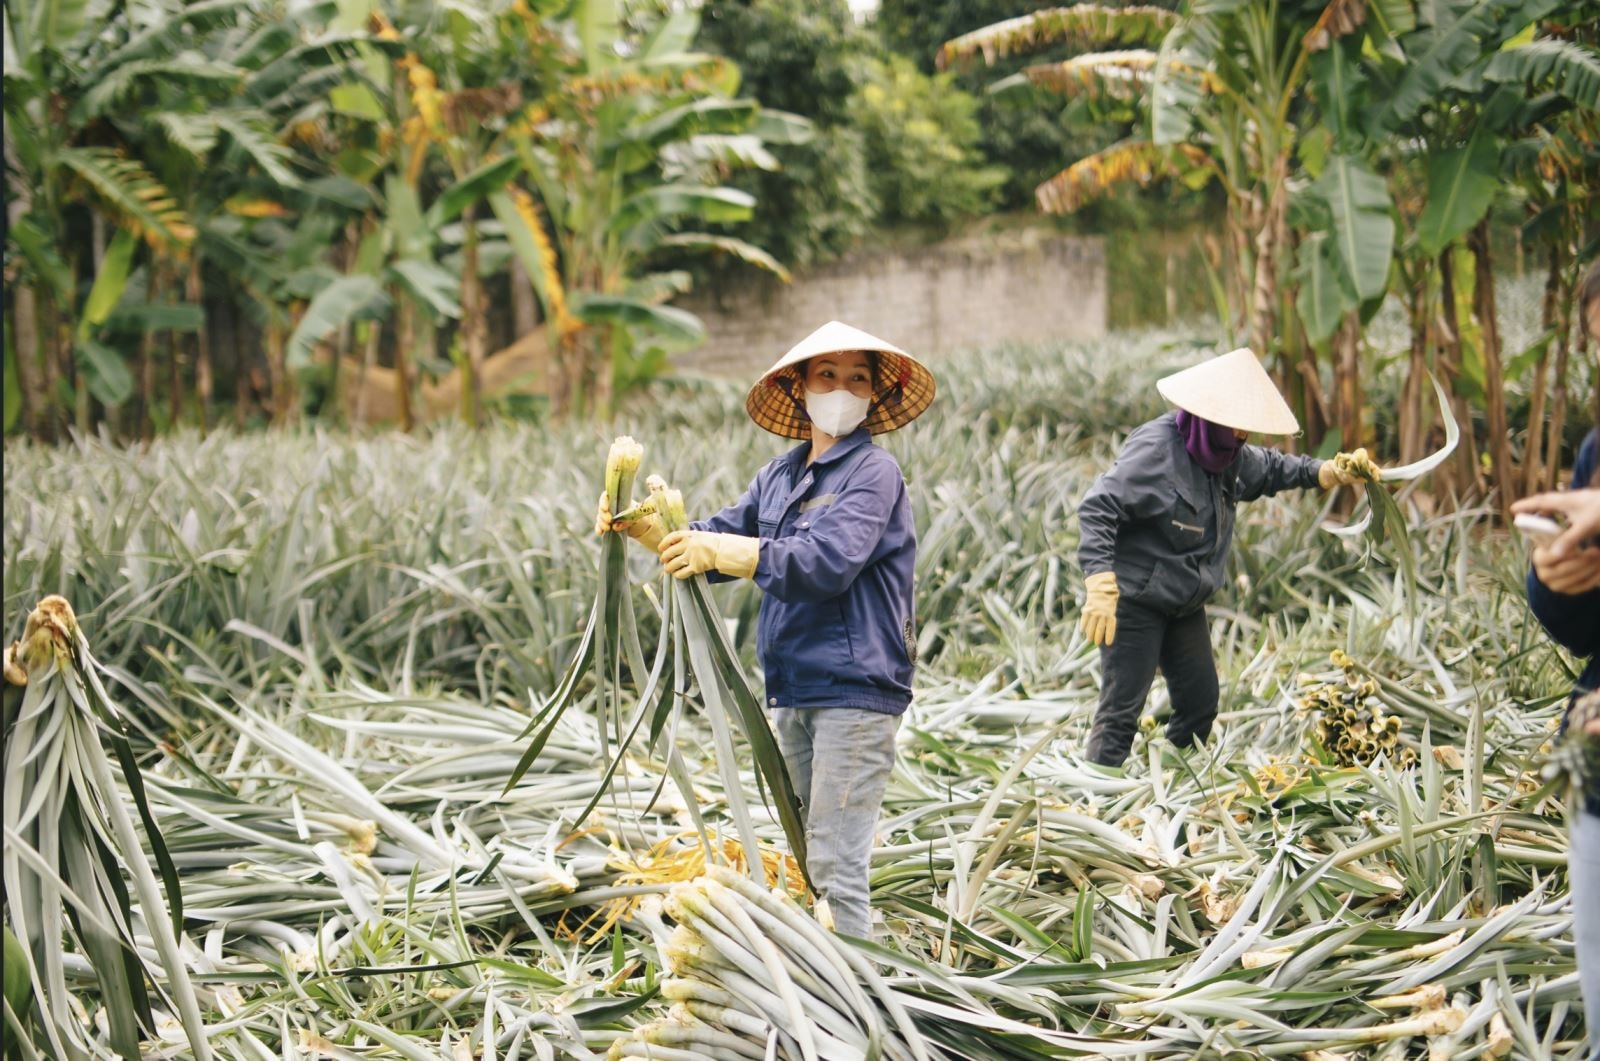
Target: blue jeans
839, 759
1583, 871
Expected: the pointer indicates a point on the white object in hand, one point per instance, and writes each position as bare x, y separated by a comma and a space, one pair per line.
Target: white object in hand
1539, 530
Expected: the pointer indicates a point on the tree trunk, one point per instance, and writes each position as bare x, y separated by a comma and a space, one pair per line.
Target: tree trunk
1558, 399
1269, 233
369, 358
1347, 347
1316, 420
474, 329
145, 425
277, 370
241, 368
25, 320
1239, 271
563, 375
1534, 456
145, 428
524, 301
1483, 306
80, 378
175, 389
194, 290
333, 408
25, 351
50, 413
1415, 402
605, 373
404, 336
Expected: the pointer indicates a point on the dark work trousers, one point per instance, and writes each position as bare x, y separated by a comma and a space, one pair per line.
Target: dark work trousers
1146, 638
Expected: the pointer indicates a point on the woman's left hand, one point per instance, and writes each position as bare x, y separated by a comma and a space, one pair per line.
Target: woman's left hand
688, 553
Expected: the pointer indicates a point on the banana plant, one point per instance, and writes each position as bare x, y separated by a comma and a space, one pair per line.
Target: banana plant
1454, 102
241, 147
1219, 88
59, 55
423, 156
625, 151
470, 68
399, 254
1354, 140
151, 117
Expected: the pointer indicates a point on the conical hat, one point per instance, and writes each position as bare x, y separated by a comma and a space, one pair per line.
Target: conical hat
1232, 390
905, 387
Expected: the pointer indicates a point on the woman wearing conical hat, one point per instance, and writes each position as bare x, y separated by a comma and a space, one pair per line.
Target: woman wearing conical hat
1154, 536
825, 531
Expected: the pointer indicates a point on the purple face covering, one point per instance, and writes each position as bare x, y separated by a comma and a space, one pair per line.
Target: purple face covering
1213, 446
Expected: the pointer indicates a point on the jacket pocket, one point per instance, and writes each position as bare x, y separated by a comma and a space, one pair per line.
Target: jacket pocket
769, 518
1170, 587
843, 602
1184, 526
809, 642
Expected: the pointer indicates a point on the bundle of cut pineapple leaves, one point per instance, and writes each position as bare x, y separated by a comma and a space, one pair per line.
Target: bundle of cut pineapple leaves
705, 670
69, 840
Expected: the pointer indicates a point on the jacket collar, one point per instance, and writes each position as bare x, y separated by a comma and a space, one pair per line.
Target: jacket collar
837, 452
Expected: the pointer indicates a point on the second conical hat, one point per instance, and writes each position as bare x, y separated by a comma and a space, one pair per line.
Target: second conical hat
1233, 390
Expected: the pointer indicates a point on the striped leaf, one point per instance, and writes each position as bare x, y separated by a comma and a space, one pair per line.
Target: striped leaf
1120, 75
1136, 161
1085, 26
131, 195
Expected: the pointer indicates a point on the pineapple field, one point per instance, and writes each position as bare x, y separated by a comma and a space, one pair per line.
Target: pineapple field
348, 746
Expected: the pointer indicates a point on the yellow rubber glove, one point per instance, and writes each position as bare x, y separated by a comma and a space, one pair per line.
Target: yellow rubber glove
688, 553
647, 530
1099, 619
1347, 469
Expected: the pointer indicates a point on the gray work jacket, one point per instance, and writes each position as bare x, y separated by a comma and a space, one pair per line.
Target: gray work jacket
1164, 525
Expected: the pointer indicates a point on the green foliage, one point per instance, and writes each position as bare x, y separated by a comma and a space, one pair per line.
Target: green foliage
1026, 131
809, 58
1462, 183
634, 179
347, 298
1363, 231
10, 388
893, 144
921, 132
1569, 67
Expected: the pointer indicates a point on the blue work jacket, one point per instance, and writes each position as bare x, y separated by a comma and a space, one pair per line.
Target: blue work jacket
1574, 620
837, 625
1164, 524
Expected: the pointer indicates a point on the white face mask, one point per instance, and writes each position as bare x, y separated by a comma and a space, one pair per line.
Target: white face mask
838, 412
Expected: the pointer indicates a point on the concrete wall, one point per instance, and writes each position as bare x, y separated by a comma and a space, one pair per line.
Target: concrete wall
1020, 286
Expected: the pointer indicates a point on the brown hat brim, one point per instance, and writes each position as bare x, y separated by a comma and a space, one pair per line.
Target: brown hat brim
905, 389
